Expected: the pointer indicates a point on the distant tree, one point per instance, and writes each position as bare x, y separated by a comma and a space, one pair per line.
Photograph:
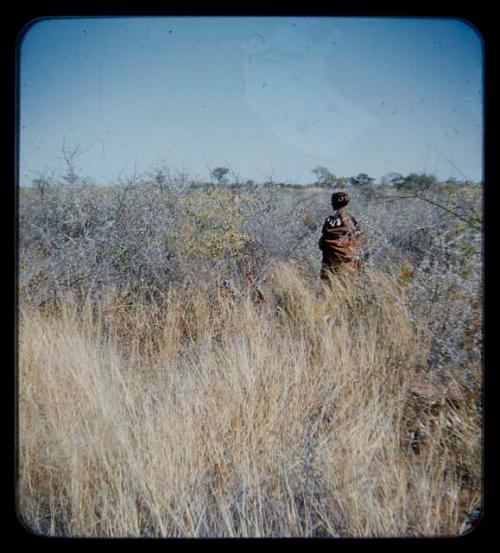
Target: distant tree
392, 179
418, 182
471, 182
41, 184
362, 181
69, 156
461, 183
325, 178
342, 182
161, 180
219, 174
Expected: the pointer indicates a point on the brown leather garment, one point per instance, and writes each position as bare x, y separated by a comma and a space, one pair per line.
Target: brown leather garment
338, 245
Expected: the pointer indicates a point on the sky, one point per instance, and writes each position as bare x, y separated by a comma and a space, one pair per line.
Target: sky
268, 97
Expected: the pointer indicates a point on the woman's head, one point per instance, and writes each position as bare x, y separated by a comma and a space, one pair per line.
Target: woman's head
340, 199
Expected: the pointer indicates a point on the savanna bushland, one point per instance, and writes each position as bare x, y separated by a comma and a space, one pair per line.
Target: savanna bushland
155, 402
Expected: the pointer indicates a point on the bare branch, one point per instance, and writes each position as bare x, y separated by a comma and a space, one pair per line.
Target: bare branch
436, 204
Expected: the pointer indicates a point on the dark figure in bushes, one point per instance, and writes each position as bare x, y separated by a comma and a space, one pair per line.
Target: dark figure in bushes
339, 239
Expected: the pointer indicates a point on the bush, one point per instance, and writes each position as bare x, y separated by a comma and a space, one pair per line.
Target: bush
296, 416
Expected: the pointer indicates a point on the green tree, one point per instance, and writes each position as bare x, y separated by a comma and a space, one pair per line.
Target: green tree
342, 182
219, 174
392, 179
362, 181
417, 182
325, 178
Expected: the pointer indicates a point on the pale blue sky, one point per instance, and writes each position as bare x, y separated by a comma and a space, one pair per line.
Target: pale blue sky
269, 96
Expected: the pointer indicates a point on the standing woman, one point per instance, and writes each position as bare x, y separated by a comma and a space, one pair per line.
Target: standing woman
339, 239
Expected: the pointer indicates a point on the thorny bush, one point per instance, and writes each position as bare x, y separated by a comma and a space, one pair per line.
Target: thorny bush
144, 237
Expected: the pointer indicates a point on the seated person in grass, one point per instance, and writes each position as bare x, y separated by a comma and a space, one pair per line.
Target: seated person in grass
338, 238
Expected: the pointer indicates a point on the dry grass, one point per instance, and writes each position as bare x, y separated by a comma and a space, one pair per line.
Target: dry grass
196, 418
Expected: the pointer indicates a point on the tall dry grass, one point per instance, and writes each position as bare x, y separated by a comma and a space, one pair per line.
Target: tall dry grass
202, 418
